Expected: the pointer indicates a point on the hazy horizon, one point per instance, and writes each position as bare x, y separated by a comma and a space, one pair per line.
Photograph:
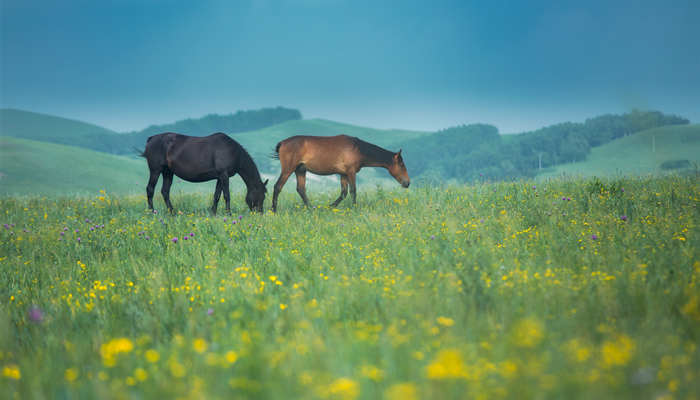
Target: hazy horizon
519, 66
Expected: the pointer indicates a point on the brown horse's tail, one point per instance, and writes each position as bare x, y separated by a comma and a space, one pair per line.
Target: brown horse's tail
276, 154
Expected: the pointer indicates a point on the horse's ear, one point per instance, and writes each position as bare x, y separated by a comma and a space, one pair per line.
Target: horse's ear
265, 183
398, 154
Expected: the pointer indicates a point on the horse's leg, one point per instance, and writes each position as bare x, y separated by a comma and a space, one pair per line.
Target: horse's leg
353, 189
343, 190
151, 187
217, 195
301, 184
165, 190
278, 187
227, 193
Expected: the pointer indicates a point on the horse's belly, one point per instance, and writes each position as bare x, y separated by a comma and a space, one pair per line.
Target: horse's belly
190, 177
327, 168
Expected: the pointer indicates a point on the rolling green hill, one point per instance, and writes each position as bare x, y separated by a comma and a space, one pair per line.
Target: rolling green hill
32, 167
48, 128
633, 155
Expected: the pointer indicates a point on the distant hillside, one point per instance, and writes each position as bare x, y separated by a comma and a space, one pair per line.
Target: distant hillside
648, 152
47, 128
241, 121
476, 152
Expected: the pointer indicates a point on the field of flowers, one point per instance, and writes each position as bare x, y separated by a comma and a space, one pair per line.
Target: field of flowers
566, 289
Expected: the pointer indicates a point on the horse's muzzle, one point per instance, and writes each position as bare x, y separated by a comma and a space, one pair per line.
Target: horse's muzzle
406, 184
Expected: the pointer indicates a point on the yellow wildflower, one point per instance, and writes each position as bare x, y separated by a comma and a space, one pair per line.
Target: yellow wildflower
447, 365
617, 352
71, 374
11, 371
527, 333
152, 356
445, 321
199, 345
401, 391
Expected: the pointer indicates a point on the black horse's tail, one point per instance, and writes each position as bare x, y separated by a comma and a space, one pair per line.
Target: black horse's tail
276, 154
139, 152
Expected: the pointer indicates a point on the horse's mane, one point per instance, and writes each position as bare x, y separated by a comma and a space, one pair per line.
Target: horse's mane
373, 152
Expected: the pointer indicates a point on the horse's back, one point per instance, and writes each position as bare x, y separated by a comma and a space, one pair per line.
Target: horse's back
320, 154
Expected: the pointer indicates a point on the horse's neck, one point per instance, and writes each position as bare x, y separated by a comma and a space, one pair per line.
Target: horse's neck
383, 162
374, 163
375, 156
250, 175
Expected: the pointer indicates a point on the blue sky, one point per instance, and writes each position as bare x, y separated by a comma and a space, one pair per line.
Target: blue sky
405, 64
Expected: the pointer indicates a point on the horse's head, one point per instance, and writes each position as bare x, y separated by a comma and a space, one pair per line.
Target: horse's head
397, 169
256, 197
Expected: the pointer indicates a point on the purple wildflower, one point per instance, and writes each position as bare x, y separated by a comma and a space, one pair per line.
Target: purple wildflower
623, 217
77, 230
210, 311
174, 239
191, 234
432, 237
79, 239
240, 217
148, 237
225, 219
594, 236
35, 314
63, 233
185, 237
6, 226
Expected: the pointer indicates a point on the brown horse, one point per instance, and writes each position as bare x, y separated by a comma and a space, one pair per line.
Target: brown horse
342, 155
200, 159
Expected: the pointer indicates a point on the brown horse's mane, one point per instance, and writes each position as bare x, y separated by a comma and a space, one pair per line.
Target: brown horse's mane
372, 152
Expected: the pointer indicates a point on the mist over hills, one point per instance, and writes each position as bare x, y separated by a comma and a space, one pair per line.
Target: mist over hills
463, 153
35, 126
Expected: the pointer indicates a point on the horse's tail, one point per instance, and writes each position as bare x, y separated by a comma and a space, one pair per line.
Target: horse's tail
138, 151
276, 154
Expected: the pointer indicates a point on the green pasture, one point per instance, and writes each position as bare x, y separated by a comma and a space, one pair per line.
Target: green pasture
579, 288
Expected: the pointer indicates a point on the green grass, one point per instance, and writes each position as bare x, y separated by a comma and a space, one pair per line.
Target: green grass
633, 155
494, 291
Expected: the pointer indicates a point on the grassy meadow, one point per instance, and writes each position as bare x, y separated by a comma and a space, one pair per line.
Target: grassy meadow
578, 288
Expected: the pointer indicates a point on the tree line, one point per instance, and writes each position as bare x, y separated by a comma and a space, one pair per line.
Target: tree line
478, 152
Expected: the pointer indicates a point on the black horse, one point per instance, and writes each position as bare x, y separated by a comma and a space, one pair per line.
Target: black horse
200, 159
